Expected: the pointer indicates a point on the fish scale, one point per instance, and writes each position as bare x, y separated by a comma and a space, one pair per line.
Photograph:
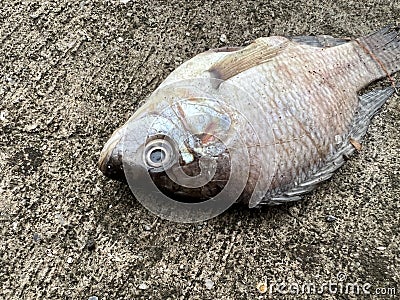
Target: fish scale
293, 99
285, 132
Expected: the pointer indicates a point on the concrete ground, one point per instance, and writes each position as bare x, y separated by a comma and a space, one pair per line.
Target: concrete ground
72, 72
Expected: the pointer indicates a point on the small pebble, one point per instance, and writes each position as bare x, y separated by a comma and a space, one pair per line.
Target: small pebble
69, 260
31, 127
120, 39
93, 298
15, 226
143, 286
90, 244
124, 1
209, 284
36, 237
3, 115
381, 248
223, 38
60, 219
330, 218
146, 227
262, 287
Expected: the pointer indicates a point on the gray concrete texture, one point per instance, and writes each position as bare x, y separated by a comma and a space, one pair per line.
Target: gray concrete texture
72, 72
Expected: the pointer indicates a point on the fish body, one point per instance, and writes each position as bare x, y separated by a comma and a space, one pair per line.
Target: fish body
262, 124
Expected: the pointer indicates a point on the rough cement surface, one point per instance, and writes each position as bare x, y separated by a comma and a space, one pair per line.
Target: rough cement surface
72, 72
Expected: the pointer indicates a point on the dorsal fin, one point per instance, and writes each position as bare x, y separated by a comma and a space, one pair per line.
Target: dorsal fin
260, 51
321, 41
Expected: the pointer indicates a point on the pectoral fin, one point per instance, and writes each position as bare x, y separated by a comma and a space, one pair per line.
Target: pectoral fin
259, 52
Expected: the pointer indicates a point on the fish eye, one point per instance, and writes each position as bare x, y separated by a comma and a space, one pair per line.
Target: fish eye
158, 153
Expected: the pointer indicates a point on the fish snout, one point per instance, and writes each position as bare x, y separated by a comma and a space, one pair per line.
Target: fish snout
110, 161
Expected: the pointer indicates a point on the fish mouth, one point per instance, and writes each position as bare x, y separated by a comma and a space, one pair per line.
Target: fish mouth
110, 161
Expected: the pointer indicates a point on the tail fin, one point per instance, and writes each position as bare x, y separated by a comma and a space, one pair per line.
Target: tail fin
384, 48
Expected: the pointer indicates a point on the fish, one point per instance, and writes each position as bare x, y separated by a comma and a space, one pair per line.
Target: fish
262, 124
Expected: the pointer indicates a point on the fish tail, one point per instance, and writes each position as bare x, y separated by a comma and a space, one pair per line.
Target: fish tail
384, 49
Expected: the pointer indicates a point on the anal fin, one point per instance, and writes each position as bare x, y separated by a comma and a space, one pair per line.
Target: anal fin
369, 105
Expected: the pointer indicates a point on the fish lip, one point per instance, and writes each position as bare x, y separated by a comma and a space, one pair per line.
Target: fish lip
110, 160
106, 153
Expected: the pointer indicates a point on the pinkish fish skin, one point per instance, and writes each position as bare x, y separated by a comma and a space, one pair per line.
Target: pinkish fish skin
304, 110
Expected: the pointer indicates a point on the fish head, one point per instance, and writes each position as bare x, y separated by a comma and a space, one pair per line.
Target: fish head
188, 145
179, 138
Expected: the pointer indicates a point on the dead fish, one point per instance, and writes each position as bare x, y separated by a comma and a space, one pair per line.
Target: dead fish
265, 123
